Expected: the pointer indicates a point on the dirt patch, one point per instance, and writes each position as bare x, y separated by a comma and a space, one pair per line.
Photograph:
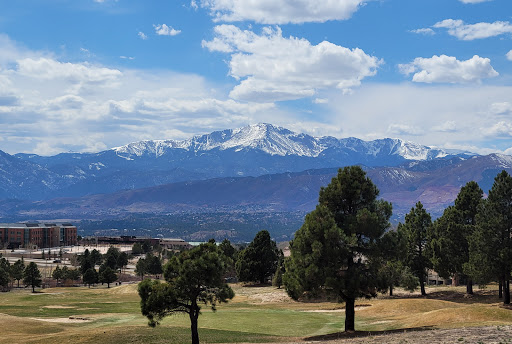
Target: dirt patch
272, 297
487, 335
57, 307
336, 310
68, 320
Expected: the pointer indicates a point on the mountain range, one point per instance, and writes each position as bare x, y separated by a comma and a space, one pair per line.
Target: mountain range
253, 150
258, 169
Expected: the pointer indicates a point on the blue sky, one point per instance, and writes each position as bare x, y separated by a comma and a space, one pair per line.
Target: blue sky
87, 75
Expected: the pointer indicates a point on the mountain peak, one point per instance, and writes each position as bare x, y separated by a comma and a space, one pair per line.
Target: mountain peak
278, 141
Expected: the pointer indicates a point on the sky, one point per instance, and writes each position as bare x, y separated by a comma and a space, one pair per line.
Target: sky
89, 75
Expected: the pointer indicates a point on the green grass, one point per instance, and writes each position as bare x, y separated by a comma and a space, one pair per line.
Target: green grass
255, 315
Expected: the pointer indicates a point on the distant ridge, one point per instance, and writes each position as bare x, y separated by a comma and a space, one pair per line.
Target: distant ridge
253, 150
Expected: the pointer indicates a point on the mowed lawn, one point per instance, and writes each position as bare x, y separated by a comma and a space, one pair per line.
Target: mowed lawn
256, 314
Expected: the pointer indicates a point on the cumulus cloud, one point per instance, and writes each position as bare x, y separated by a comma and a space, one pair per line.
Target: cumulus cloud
46, 68
164, 30
272, 67
469, 32
502, 129
509, 55
142, 35
448, 69
425, 31
281, 11
81, 106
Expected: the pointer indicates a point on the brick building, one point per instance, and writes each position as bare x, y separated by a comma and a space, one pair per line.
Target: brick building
38, 234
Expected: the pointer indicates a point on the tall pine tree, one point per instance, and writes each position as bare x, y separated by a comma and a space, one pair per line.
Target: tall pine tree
415, 232
333, 251
490, 245
451, 232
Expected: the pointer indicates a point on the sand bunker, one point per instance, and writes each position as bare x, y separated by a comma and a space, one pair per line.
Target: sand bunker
69, 320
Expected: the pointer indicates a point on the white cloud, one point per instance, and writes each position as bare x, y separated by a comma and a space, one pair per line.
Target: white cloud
272, 67
501, 108
468, 32
410, 111
142, 35
281, 11
448, 69
164, 30
320, 100
46, 69
127, 57
193, 4
424, 31
87, 107
446, 127
400, 130
502, 129
473, 1
509, 55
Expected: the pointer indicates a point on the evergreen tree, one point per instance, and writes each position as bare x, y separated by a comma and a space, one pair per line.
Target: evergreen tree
393, 271
95, 258
416, 231
90, 277
192, 278
107, 275
57, 274
137, 249
4, 278
258, 261
32, 276
85, 262
122, 260
490, 245
141, 268
451, 232
17, 271
334, 250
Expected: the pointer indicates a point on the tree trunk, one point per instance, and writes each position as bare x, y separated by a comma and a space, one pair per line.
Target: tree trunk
500, 290
422, 286
455, 280
193, 324
506, 292
34, 289
469, 286
350, 314
390, 290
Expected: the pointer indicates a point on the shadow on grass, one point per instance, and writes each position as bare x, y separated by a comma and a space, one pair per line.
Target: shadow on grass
479, 296
355, 334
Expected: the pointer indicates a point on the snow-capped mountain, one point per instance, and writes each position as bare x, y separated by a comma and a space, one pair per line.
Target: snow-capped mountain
253, 150
274, 140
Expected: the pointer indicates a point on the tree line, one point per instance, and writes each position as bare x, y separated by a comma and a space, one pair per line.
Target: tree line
345, 249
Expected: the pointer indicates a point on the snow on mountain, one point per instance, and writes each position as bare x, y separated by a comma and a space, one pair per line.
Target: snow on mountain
279, 141
502, 160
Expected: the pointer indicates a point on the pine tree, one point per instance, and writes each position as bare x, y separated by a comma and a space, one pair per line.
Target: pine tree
334, 250
32, 276
490, 245
192, 278
451, 232
258, 261
416, 231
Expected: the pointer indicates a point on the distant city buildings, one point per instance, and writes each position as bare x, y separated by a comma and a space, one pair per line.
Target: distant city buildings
37, 234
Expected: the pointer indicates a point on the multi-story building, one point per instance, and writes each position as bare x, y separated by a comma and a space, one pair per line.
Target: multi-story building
37, 234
